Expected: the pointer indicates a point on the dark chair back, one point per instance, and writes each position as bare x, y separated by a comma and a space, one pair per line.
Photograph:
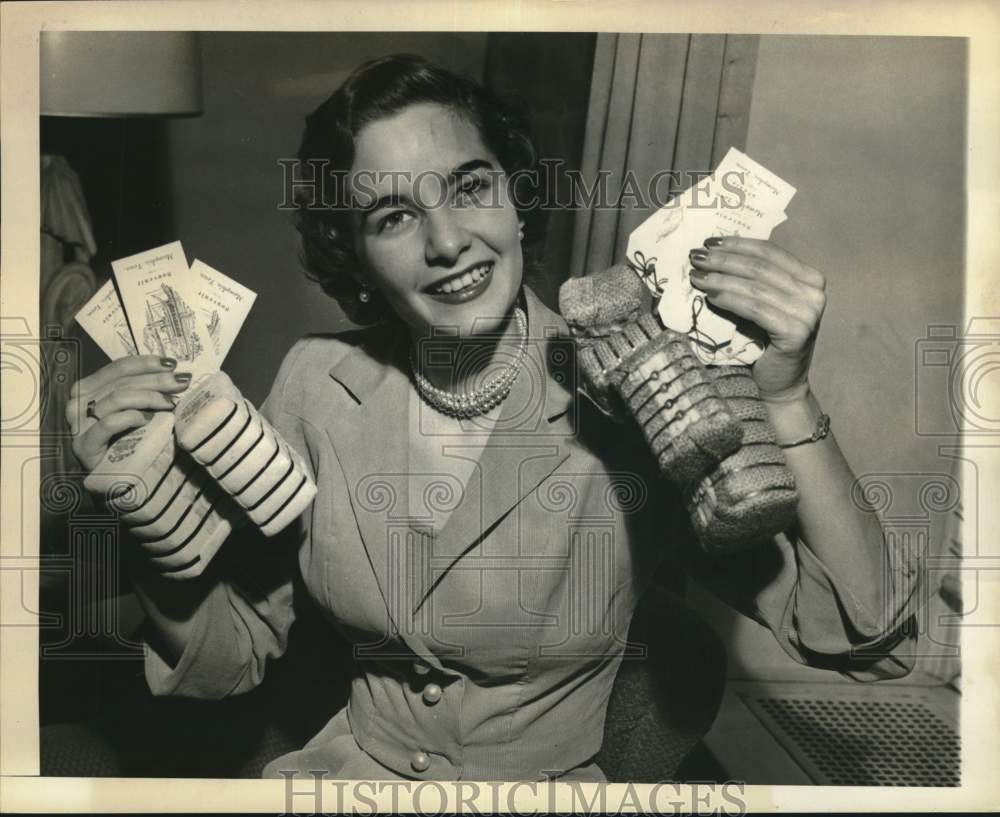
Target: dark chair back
662, 704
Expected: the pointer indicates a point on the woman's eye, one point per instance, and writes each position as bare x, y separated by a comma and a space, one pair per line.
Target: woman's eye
392, 220
472, 185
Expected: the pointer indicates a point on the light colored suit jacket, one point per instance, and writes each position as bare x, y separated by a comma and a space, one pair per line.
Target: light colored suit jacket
485, 649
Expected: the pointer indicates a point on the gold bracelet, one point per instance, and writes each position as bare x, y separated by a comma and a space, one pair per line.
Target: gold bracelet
822, 429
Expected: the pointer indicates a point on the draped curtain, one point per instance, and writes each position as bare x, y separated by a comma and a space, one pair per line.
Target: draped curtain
657, 102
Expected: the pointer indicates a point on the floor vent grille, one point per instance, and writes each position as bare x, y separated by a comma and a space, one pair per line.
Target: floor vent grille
862, 742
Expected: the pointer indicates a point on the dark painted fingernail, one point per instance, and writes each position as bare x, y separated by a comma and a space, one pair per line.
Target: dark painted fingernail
714, 241
183, 377
168, 362
698, 275
148, 415
698, 255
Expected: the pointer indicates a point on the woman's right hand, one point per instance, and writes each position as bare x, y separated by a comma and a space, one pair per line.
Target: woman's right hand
125, 393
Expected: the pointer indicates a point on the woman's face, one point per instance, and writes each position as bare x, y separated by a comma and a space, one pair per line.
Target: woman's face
439, 237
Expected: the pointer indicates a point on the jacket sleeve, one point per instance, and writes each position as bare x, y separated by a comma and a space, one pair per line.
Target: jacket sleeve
244, 617
812, 613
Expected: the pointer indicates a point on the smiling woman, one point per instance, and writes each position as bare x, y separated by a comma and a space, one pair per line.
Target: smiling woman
437, 257
486, 524
427, 230
457, 138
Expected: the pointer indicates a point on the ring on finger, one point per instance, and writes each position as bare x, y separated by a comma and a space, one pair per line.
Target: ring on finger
92, 409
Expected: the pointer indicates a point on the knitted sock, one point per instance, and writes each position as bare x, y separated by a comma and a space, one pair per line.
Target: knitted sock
637, 367
671, 396
707, 426
181, 503
596, 307
750, 496
175, 514
244, 453
599, 305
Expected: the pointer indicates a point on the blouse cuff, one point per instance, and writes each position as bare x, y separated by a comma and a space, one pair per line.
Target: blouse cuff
825, 624
202, 671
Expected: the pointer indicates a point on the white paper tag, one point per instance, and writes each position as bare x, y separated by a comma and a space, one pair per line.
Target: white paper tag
192, 314
740, 198
223, 303
156, 293
103, 319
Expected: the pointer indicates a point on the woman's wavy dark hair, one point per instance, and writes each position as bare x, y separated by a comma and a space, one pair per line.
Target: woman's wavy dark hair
375, 90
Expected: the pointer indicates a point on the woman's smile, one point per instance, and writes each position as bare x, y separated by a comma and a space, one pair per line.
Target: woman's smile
463, 286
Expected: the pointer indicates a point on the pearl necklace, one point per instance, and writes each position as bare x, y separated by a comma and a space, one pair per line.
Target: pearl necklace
481, 400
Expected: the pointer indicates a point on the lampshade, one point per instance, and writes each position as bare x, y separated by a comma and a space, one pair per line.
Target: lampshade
120, 73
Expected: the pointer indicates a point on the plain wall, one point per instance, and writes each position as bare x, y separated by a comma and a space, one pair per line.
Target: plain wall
871, 132
226, 183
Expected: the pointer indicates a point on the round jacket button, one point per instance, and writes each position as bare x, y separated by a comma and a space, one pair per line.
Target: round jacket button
420, 762
420, 668
432, 694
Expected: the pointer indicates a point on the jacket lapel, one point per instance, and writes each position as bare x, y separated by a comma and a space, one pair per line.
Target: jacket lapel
371, 441
528, 443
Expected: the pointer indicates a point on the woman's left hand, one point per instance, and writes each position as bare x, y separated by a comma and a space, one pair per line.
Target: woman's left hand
759, 281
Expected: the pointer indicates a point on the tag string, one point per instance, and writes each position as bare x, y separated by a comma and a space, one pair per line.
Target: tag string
700, 337
645, 268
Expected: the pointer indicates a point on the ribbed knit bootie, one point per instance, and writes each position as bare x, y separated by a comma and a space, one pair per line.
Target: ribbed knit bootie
750, 496
635, 365
177, 517
706, 426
